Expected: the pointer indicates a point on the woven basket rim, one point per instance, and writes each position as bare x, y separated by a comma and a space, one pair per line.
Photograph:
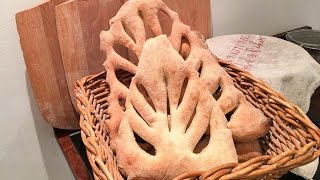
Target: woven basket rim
273, 164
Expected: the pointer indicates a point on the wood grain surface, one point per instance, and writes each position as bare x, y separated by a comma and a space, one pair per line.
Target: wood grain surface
79, 23
196, 14
73, 157
40, 46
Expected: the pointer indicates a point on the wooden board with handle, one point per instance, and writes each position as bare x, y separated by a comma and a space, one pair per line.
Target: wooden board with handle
39, 43
79, 23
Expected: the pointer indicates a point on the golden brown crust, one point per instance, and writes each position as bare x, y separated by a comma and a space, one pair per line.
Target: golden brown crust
147, 107
162, 74
132, 17
248, 150
248, 123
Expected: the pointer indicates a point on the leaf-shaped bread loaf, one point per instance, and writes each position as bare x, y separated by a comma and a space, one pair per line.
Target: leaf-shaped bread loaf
169, 107
247, 122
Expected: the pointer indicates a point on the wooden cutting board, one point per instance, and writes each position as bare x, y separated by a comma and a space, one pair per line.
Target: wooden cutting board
196, 14
79, 23
41, 51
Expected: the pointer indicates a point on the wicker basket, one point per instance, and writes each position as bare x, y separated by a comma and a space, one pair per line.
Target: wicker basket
293, 140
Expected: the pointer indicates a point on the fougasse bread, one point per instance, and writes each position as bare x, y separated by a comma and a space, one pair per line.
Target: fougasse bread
132, 17
128, 28
162, 75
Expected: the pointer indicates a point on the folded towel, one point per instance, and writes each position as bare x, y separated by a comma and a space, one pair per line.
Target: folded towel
286, 67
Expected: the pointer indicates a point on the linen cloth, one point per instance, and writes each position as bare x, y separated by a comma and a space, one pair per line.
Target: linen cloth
285, 66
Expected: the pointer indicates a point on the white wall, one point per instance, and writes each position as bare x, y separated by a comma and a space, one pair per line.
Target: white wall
265, 17
28, 149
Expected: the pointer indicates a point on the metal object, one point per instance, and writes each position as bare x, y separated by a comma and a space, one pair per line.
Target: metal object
308, 39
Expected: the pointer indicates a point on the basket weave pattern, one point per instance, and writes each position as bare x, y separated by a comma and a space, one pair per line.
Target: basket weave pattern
293, 140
